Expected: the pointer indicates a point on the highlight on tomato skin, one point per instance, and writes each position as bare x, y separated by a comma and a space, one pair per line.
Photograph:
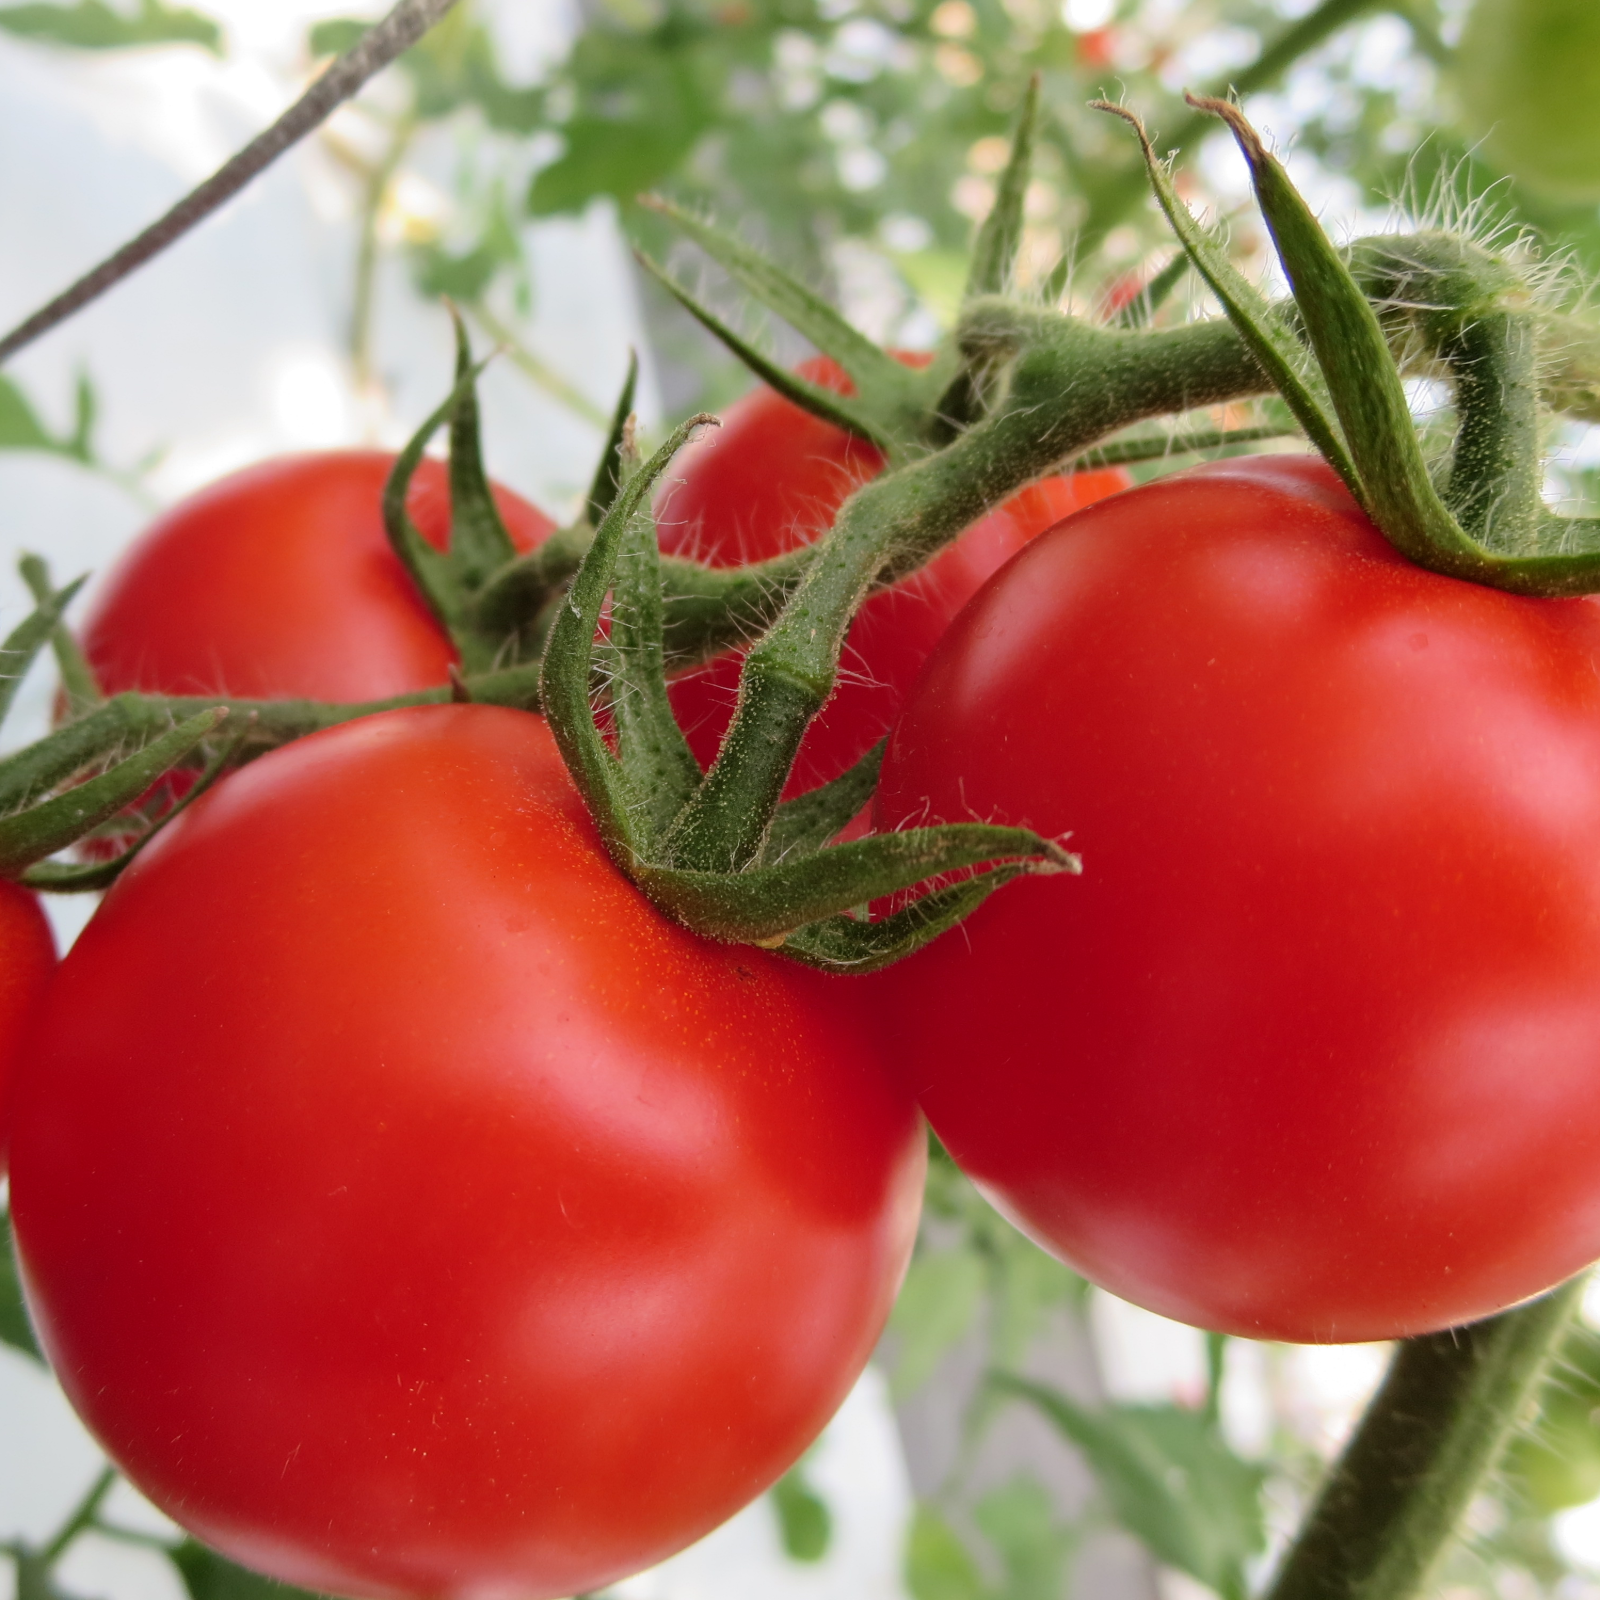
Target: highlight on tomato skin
409, 1209
27, 961
772, 478
1308, 1052
278, 582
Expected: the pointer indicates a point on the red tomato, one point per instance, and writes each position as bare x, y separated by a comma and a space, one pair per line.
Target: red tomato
27, 959
1312, 1049
411, 1210
278, 582
771, 479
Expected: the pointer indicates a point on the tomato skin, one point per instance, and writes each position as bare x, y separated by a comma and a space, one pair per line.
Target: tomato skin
1312, 1049
411, 1210
278, 583
772, 478
27, 961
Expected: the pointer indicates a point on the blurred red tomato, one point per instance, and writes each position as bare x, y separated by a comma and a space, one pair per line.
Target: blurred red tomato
278, 583
27, 959
771, 479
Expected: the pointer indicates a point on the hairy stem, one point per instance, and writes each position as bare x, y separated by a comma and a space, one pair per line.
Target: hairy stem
897, 522
1391, 1503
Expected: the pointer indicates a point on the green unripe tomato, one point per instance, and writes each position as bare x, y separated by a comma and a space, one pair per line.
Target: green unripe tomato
1528, 76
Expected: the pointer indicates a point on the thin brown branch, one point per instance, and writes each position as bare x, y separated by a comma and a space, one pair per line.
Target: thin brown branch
377, 48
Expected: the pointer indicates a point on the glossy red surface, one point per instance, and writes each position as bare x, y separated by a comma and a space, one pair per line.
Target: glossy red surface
1311, 1051
411, 1210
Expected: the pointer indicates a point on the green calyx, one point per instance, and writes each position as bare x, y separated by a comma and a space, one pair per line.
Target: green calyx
792, 889
1460, 310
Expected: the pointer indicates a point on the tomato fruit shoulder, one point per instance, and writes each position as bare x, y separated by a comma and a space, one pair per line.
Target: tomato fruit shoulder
278, 582
27, 960
409, 1209
1311, 1051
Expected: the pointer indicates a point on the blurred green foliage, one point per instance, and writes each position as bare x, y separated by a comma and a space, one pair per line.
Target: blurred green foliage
94, 25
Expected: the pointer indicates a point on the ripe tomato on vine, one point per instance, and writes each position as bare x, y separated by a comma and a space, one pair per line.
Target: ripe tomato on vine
409, 1208
1308, 1052
279, 582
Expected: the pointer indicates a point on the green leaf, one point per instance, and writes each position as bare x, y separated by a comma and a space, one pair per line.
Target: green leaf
1026, 1285
20, 427
1033, 1544
619, 159
15, 1329
94, 25
208, 1576
804, 1522
1168, 1478
335, 35
938, 1305
938, 1566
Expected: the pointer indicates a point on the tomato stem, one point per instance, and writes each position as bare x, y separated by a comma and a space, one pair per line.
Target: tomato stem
1390, 1505
1072, 384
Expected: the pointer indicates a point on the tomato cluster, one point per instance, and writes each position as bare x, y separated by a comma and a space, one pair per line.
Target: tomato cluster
411, 1208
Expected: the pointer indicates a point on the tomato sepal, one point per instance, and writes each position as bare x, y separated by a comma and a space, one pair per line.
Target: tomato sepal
994, 260
610, 473
23, 644
78, 682
766, 905
853, 944
92, 877
1496, 470
29, 836
810, 820
842, 411
1274, 345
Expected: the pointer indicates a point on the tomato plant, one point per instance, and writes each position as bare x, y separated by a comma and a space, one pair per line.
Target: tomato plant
27, 959
279, 582
772, 478
409, 1208
1309, 1050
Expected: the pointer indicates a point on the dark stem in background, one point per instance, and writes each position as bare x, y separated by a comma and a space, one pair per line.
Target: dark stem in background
377, 48
1390, 1506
